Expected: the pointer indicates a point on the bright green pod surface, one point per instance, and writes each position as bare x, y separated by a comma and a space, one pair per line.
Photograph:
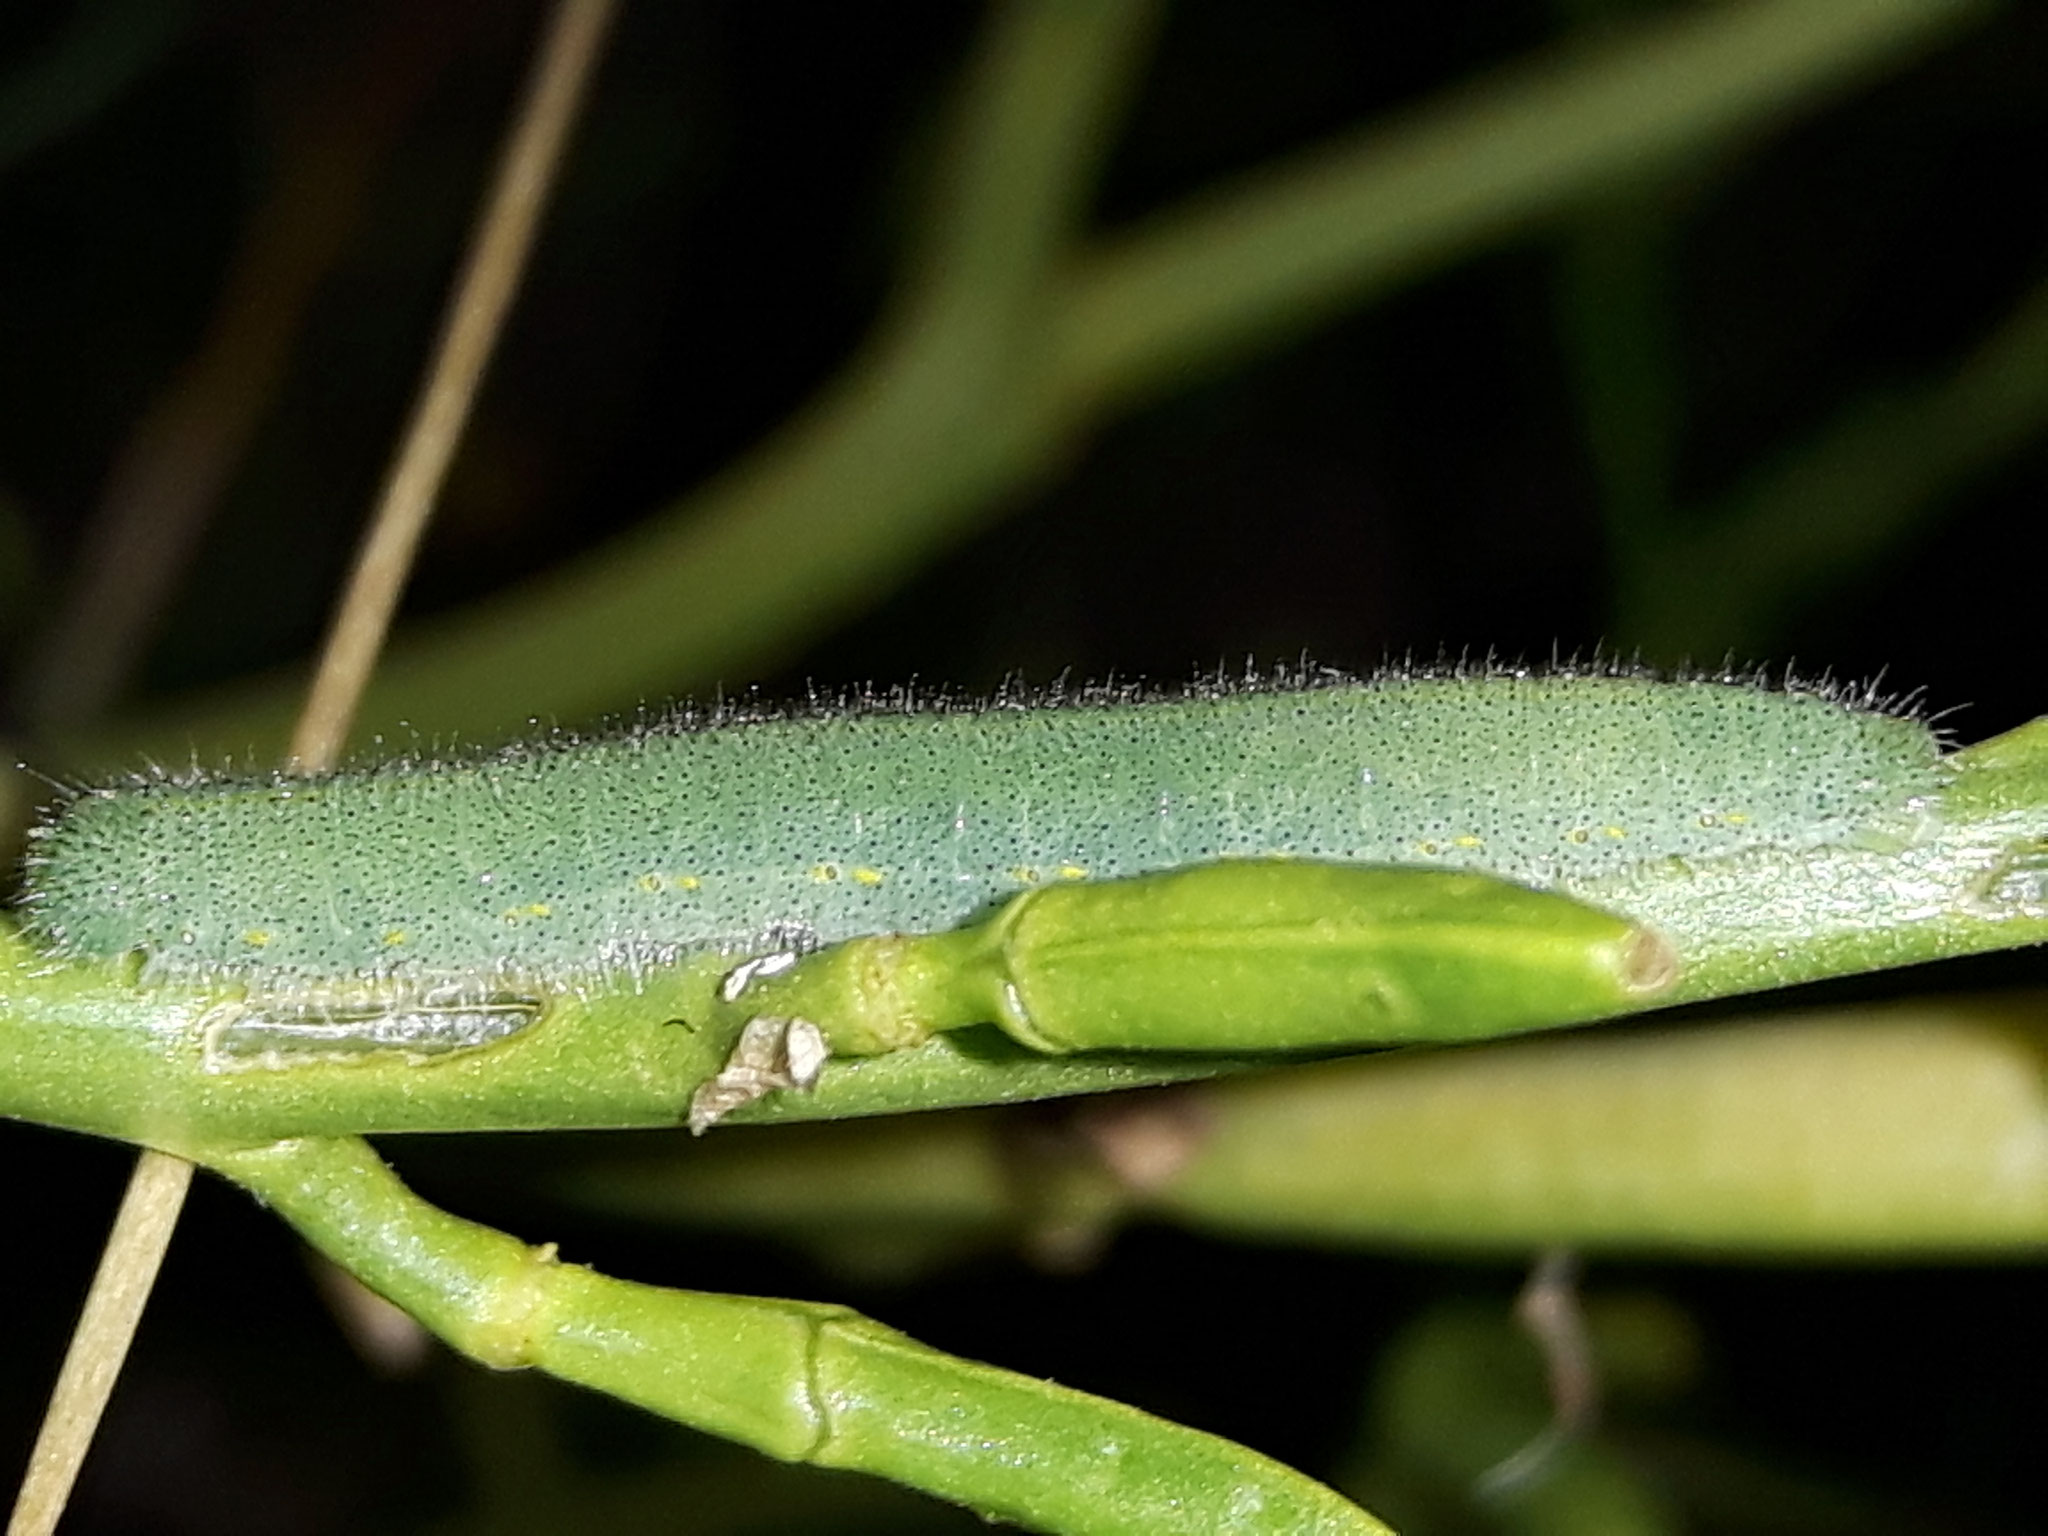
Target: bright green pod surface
605, 857
1289, 953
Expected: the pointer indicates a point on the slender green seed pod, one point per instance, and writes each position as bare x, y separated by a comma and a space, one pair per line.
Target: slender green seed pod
1273, 954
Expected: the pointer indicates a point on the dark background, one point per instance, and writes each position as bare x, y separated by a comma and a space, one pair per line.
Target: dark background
1412, 479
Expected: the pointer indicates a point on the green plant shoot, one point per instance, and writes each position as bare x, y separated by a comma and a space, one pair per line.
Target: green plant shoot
254, 973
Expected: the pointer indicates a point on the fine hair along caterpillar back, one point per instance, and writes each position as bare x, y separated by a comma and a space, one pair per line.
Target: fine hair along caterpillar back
601, 856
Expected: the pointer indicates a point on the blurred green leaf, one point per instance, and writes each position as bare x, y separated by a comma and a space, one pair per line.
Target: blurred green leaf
995, 361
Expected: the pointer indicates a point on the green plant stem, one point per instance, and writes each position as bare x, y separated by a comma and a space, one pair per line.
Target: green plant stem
1731, 577
799, 1381
1904, 1129
1244, 268
86, 1047
983, 381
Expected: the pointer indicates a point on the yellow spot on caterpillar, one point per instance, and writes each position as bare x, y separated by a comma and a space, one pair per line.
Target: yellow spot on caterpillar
688, 883
1578, 835
531, 909
650, 883
1616, 833
394, 936
1073, 872
1736, 819
258, 938
865, 876
824, 874
1024, 874
1469, 841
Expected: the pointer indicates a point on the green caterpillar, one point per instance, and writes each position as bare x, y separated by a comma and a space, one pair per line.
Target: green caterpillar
743, 834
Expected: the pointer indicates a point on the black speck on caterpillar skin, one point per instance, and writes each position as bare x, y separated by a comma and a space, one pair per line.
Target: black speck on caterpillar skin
743, 829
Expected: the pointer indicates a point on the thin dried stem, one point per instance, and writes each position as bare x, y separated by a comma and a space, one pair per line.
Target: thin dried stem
133, 1253
156, 1190
496, 259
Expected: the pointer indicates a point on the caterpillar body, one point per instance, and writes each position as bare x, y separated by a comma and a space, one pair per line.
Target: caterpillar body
742, 834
